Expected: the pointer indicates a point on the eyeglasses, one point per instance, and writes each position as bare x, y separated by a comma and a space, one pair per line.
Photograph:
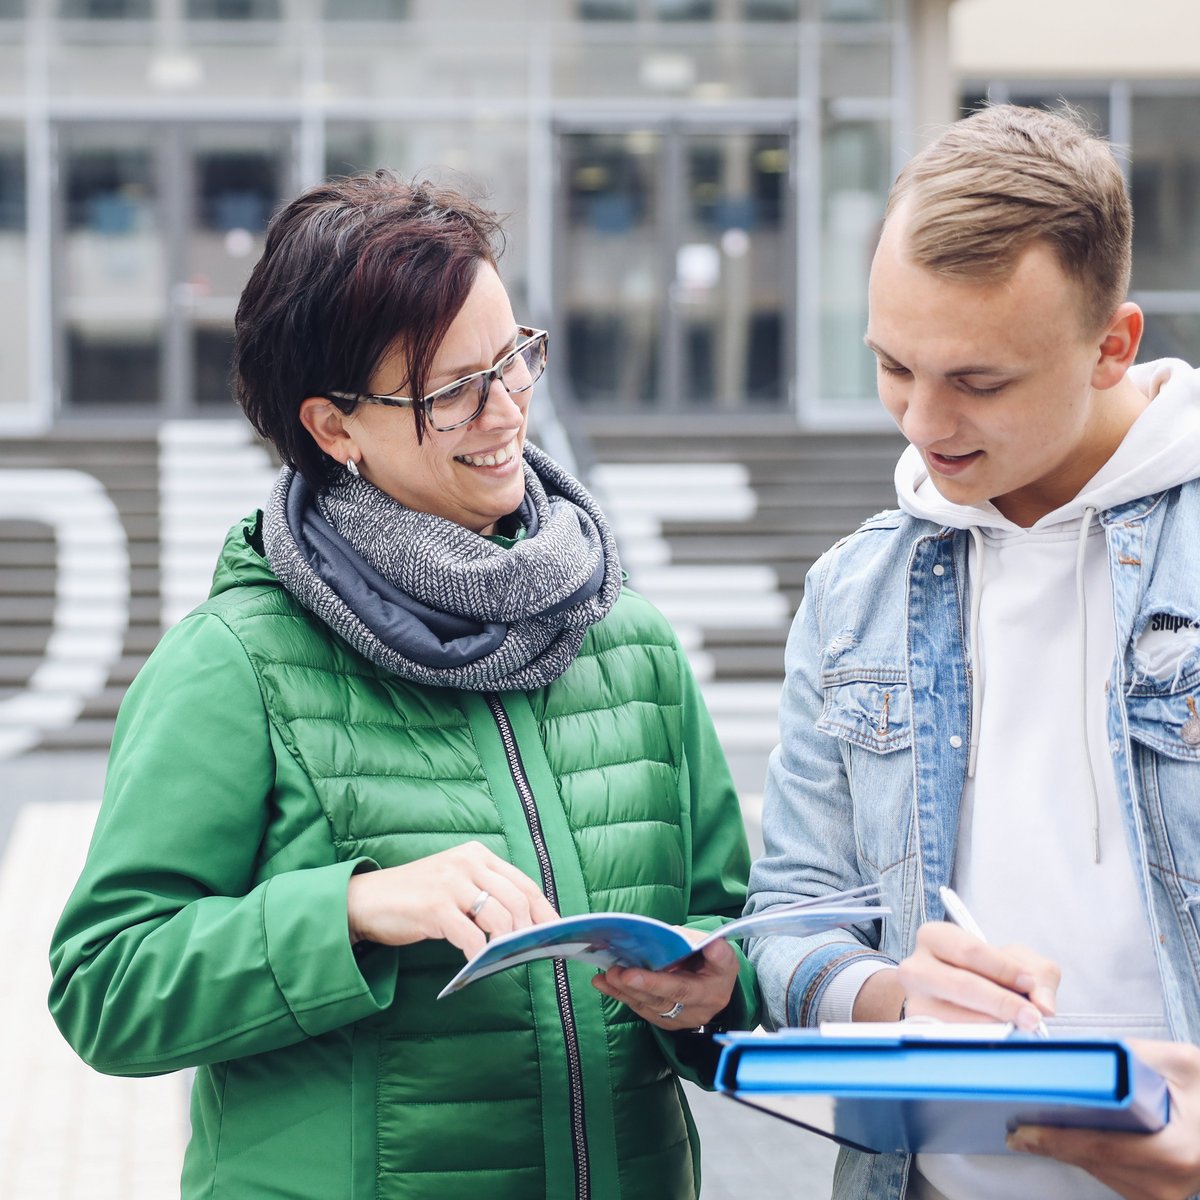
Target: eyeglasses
460, 402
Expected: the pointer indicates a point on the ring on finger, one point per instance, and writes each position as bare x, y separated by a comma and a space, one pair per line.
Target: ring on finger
673, 1012
478, 903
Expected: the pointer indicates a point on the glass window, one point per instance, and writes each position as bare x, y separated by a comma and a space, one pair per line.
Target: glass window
477, 156
237, 189
683, 10
12, 185
110, 189
733, 270
687, 10
677, 65
14, 267
117, 367
610, 190
772, 10
607, 10
1093, 108
240, 174
106, 10
856, 10
1165, 185
424, 61
112, 285
1171, 335
233, 10
612, 267
858, 68
366, 10
855, 181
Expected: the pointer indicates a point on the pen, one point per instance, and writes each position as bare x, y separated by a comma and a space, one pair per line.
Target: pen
958, 912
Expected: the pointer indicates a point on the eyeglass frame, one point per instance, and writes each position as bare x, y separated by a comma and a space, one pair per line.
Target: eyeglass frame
490, 375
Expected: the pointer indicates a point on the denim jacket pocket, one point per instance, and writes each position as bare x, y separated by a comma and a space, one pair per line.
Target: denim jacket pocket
1167, 720
870, 713
868, 709
1164, 727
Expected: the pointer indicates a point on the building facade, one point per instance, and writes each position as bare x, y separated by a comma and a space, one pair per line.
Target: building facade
695, 185
695, 190
1137, 80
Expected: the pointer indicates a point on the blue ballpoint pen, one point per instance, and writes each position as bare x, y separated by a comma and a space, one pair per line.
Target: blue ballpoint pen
958, 912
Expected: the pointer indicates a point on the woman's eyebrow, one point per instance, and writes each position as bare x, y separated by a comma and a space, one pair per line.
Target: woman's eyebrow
453, 373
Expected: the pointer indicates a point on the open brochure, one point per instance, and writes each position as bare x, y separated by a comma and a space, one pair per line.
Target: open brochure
627, 940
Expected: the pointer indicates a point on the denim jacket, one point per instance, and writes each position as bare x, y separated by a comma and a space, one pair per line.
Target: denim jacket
866, 783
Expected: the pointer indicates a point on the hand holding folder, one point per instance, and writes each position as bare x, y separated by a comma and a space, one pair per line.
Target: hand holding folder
909, 1086
1161, 1166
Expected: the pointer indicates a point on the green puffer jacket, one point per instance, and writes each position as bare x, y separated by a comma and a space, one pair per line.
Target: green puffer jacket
258, 762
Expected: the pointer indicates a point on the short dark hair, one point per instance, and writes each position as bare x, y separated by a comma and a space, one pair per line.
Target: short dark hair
1006, 177
350, 268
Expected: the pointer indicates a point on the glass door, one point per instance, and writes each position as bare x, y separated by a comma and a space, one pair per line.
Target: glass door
157, 228
237, 177
675, 267
111, 267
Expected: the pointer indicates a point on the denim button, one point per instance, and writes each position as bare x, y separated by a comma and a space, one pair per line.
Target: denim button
938, 569
1191, 731
955, 741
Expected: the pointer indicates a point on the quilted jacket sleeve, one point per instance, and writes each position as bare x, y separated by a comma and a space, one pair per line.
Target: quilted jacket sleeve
171, 952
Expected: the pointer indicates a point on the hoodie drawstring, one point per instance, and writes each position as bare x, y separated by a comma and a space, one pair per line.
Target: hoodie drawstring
976, 585
1081, 604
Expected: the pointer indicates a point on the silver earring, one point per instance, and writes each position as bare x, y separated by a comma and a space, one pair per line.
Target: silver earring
352, 467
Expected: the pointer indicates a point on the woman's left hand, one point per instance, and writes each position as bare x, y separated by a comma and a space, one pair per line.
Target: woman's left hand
702, 985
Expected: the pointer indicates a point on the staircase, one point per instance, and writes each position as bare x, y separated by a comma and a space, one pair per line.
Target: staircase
109, 534
720, 529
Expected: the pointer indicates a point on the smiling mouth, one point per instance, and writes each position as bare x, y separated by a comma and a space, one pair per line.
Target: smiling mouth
493, 458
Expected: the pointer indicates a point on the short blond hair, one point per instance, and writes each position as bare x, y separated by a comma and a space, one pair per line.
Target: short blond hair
1005, 177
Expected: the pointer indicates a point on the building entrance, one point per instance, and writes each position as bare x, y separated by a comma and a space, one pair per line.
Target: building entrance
676, 265
156, 228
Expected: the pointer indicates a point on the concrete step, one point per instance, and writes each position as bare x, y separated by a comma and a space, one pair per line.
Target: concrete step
718, 524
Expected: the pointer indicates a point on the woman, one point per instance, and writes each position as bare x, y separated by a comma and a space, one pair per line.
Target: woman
417, 710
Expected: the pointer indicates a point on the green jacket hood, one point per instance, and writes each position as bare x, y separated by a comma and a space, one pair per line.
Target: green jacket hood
243, 558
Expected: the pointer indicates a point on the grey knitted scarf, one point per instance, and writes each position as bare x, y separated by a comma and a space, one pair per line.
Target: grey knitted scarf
433, 602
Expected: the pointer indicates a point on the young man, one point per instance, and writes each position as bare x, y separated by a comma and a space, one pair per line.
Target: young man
996, 686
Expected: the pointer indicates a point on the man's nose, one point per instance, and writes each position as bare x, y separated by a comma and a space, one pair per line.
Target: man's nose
930, 416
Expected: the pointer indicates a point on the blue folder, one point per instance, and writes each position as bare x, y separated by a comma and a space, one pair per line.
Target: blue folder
898, 1094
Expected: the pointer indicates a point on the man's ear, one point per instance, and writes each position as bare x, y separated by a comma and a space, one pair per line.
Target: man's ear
327, 425
1118, 346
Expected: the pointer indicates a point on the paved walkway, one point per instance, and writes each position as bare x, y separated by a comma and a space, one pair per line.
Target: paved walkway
68, 1133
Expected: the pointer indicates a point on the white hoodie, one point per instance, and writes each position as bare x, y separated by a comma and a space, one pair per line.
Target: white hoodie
1042, 856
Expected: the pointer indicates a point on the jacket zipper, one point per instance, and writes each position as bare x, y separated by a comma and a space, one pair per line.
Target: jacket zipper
561, 986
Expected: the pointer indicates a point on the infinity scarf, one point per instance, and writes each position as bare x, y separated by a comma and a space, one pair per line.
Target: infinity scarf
435, 603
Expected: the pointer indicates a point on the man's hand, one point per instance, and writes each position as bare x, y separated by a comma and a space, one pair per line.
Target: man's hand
955, 977
1138, 1166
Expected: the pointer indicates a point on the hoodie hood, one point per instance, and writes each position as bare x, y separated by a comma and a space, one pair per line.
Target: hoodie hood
1161, 450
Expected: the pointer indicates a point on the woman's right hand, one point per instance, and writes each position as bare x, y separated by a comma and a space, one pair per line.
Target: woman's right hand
432, 898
